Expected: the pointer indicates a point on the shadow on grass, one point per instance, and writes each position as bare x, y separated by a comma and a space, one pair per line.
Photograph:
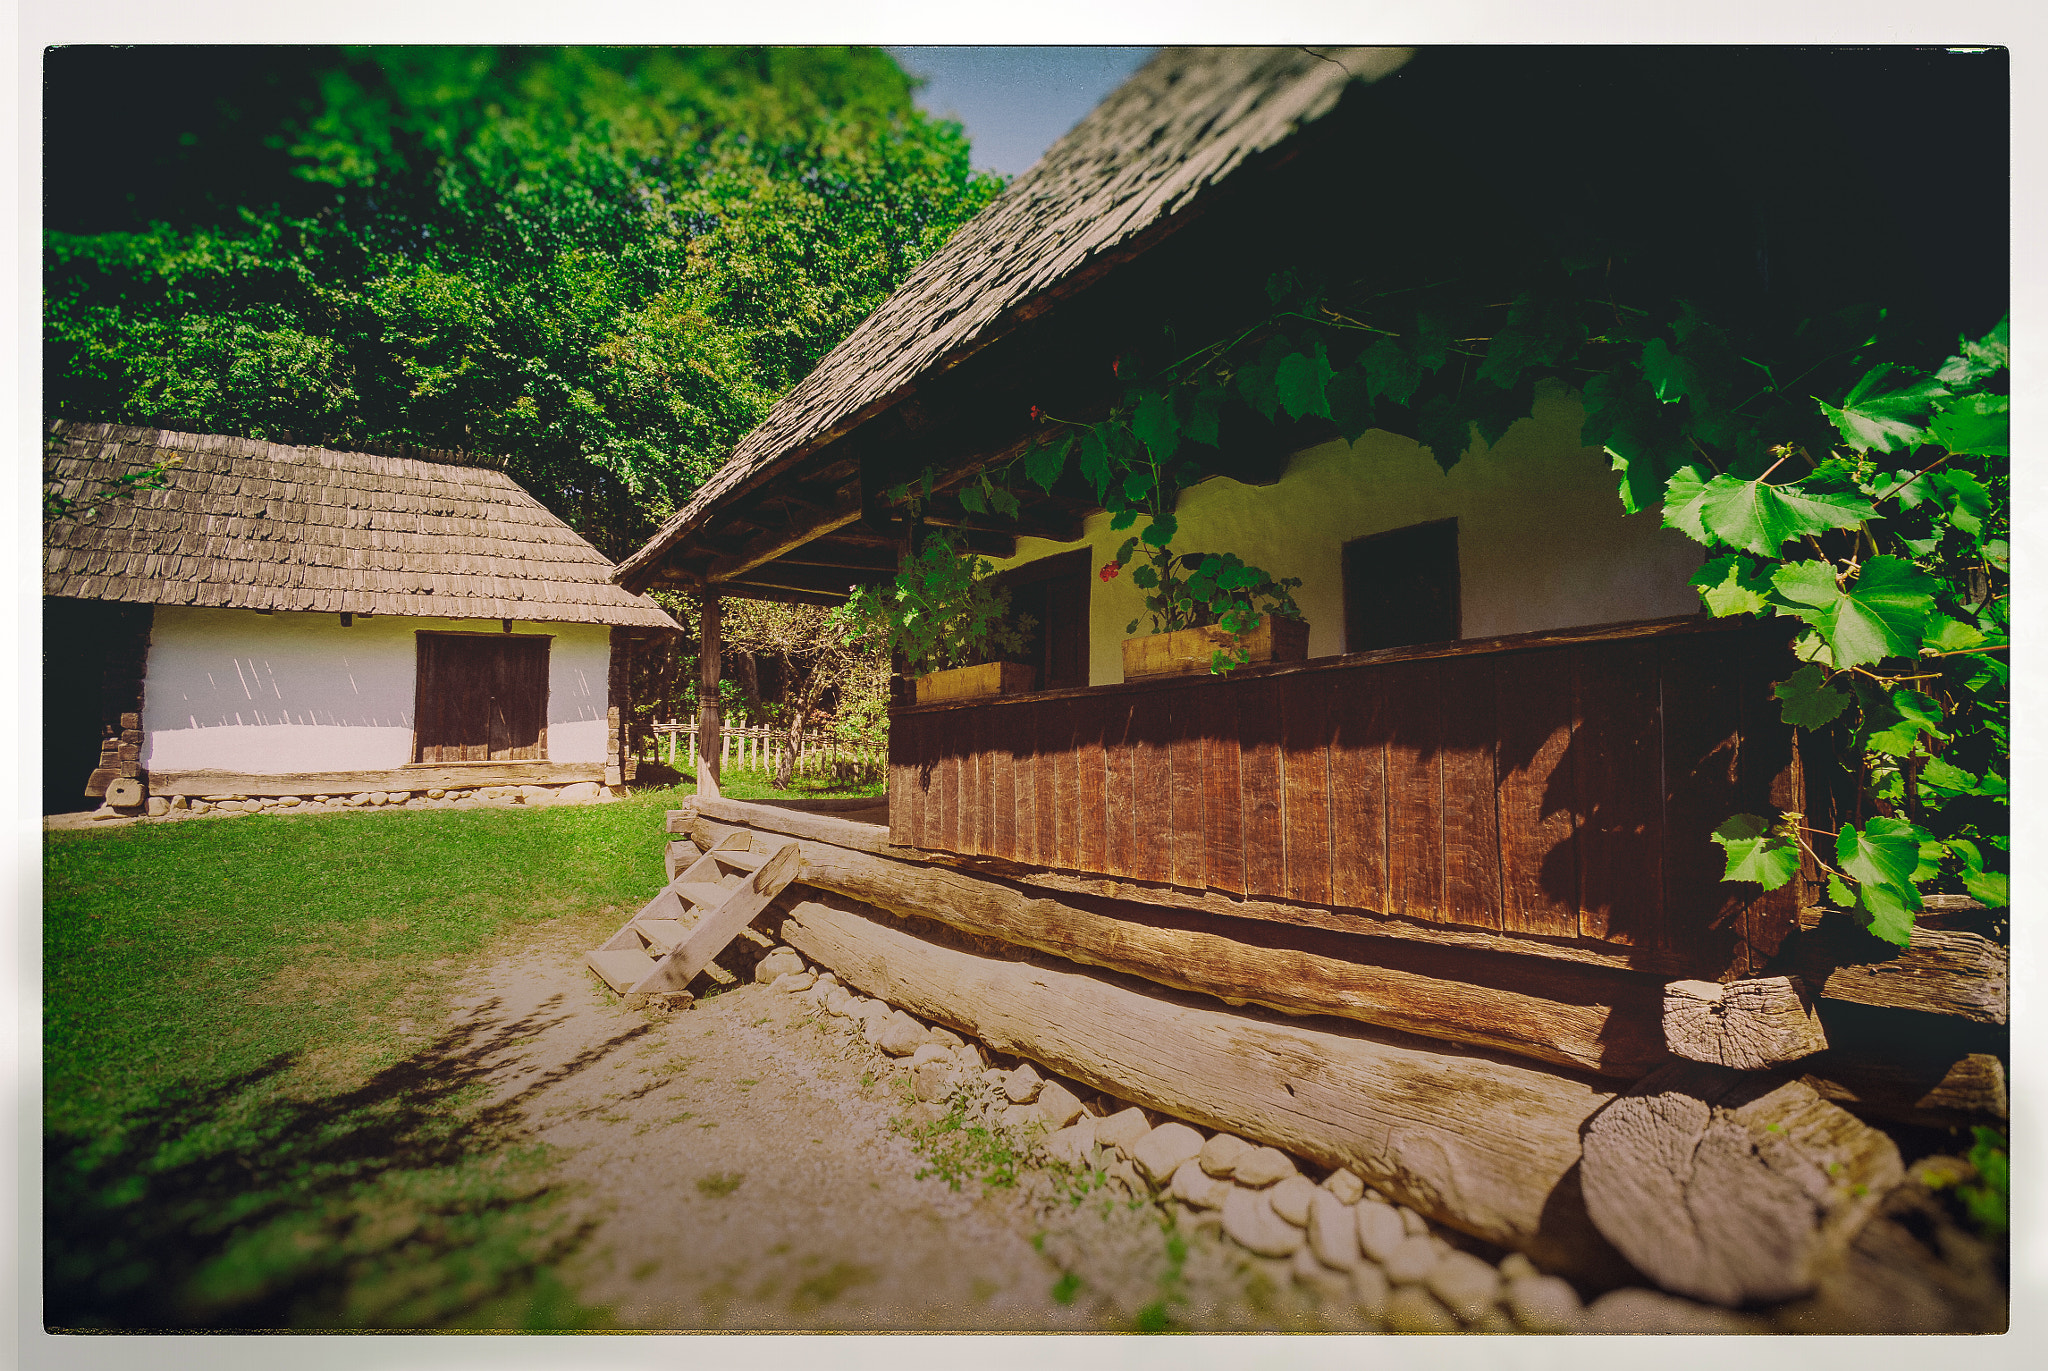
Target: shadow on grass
410, 1201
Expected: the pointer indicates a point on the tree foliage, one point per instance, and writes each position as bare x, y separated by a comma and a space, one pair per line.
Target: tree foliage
600, 265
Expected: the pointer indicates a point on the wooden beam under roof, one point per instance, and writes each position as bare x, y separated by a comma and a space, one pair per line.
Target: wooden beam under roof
741, 590
824, 580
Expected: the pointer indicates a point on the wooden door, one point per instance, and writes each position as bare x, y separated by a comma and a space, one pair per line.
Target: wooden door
481, 698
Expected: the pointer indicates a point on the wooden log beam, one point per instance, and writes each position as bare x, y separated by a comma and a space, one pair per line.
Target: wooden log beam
1750, 1025
428, 776
769, 544
1486, 1146
778, 595
1581, 1018
1931, 1093
868, 837
1943, 971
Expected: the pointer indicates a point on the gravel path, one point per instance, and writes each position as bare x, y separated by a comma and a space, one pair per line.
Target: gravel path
737, 1163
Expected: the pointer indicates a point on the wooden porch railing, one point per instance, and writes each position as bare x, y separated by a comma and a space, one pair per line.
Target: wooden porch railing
1548, 788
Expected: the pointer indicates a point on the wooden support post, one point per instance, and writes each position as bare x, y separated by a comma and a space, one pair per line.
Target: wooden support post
707, 683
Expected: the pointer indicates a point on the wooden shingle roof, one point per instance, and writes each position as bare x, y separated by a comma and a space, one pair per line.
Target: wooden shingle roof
246, 524
1181, 124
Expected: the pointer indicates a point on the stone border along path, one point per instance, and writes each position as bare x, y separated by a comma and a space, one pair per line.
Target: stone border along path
1364, 1262
161, 808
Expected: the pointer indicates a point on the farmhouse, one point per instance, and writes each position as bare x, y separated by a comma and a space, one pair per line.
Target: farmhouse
1425, 901
283, 620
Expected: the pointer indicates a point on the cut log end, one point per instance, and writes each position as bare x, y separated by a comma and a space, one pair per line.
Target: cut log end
1752, 1025
1732, 1188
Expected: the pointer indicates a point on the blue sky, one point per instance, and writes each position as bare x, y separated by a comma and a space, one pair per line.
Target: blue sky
1015, 102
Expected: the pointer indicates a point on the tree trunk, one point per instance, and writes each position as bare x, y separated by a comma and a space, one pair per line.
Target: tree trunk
1732, 1187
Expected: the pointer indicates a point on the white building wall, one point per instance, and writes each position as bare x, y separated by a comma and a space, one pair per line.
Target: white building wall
267, 694
1542, 539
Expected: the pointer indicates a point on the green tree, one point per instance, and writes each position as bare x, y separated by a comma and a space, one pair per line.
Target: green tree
600, 266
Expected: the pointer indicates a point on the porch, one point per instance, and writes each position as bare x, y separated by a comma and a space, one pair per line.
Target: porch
1547, 793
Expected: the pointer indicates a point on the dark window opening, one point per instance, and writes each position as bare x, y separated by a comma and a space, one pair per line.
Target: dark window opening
1401, 588
1054, 592
481, 698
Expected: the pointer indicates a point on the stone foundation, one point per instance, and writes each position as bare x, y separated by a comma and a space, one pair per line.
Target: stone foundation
483, 797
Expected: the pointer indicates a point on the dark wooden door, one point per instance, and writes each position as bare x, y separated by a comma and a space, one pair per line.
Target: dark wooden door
481, 698
1401, 588
1053, 591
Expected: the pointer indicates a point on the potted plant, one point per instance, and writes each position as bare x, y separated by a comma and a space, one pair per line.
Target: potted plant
1210, 612
947, 622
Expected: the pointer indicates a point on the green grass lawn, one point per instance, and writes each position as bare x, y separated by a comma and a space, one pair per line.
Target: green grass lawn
257, 1112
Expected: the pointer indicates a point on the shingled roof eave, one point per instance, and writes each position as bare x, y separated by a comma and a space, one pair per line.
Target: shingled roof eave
1320, 80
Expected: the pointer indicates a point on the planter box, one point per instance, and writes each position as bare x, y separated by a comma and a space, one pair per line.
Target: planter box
1189, 651
971, 682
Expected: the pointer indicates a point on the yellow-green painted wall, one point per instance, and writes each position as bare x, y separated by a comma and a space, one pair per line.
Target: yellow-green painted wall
1542, 539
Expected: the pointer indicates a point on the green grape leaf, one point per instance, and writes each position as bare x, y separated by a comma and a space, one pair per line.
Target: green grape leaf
1974, 361
1683, 494
1445, 429
1732, 585
1436, 325
1350, 396
1938, 775
1839, 892
1043, 465
971, 500
1639, 435
1005, 503
1885, 411
1884, 614
1973, 425
1755, 853
1540, 331
1156, 426
1095, 460
1671, 376
1964, 498
1255, 382
1391, 371
1204, 418
1300, 381
1953, 635
1810, 701
1882, 857
1916, 715
1991, 887
1762, 519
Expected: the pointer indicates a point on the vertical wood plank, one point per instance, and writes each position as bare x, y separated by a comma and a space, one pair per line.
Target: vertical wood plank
974, 815
902, 831
1702, 705
1770, 767
1152, 806
1023, 721
1050, 740
1188, 761
947, 796
1358, 790
1066, 785
1472, 893
1617, 773
1002, 789
1539, 858
1222, 800
1259, 780
1415, 790
1305, 766
1120, 832
1090, 767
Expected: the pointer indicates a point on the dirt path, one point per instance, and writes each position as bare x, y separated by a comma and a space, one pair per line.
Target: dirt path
738, 1170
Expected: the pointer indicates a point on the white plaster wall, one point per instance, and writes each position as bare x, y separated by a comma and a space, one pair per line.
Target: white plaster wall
1542, 539
234, 690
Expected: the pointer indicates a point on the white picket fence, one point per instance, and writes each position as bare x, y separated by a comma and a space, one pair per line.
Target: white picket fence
762, 749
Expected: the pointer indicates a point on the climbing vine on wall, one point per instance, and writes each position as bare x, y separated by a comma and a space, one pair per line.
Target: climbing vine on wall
1875, 518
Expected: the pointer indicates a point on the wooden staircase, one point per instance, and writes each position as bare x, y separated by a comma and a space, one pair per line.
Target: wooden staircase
690, 921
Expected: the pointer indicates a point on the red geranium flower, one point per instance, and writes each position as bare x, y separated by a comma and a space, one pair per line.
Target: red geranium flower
1112, 571
1034, 413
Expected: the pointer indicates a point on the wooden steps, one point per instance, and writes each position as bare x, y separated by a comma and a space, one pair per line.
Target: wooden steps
705, 905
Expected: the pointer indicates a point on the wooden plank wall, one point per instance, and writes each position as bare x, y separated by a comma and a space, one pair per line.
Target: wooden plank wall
1552, 792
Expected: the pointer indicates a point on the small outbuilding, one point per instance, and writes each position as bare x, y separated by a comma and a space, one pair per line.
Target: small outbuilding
281, 620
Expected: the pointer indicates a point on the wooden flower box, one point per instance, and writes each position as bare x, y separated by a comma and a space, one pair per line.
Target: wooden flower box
973, 682
1190, 650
